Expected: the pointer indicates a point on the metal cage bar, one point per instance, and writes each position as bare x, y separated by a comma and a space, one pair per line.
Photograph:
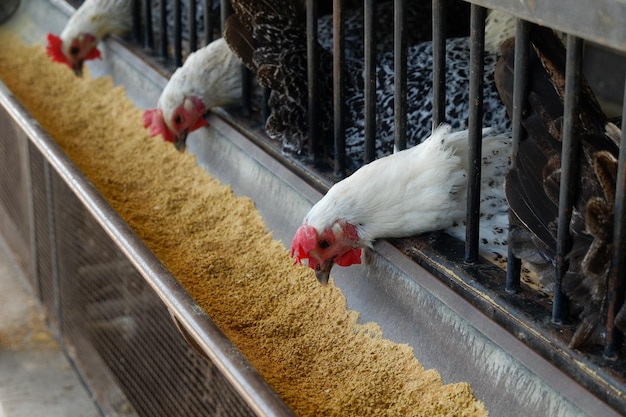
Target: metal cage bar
193, 29
339, 89
148, 39
569, 168
226, 9
439, 62
163, 32
520, 80
208, 22
312, 77
369, 28
617, 271
477, 64
178, 34
136, 31
400, 74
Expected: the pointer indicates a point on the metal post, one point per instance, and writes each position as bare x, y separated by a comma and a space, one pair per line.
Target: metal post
439, 62
569, 168
477, 64
339, 88
520, 82
312, 75
369, 29
400, 75
617, 272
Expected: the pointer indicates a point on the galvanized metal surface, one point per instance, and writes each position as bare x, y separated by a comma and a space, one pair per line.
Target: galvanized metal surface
602, 23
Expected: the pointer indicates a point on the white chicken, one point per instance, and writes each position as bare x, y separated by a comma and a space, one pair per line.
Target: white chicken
91, 22
210, 77
414, 191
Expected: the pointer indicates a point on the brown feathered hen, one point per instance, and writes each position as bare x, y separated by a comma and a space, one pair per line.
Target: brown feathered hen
532, 185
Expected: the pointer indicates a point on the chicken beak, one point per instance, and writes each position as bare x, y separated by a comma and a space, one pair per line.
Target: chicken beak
78, 68
181, 142
323, 274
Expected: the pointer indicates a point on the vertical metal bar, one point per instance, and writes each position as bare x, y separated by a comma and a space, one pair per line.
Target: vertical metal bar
312, 75
163, 28
208, 21
520, 81
369, 29
400, 74
226, 9
148, 41
477, 64
178, 38
136, 32
569, 168
339, 88
193, 27
617, 272
439, 62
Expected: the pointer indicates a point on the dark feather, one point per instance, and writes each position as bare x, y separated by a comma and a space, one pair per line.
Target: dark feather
532, 185
240, 41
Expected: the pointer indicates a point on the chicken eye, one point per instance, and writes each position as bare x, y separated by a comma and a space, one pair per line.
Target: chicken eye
74, 50
178, 119
323, 244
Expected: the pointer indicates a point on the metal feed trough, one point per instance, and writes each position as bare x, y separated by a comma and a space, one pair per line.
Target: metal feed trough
121, 316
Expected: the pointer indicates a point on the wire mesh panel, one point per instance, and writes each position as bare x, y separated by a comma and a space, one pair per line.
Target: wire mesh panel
14, 191
107, 307
40, 179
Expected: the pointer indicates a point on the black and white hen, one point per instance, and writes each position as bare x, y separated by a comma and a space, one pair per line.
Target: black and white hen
270, 38
532, 185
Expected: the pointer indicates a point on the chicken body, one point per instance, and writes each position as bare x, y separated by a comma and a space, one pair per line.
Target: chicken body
91, 22
417, 190
209, 78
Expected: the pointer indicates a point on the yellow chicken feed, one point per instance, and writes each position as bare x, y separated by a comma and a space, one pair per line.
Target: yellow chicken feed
297, 334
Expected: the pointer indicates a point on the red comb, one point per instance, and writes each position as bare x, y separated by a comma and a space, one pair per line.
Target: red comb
303, 242
54, 50
154, 119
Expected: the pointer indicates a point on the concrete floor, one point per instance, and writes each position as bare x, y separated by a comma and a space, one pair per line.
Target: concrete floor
36, 378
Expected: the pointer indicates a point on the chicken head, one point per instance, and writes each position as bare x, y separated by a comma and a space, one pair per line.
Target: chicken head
339, 244
73, 53
186, 117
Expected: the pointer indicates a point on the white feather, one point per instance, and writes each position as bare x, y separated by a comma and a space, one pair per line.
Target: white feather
414, 191
99, 18
211, 73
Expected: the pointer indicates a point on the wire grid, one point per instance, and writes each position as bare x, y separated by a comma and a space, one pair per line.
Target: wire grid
14, 190
39, 172
106, 306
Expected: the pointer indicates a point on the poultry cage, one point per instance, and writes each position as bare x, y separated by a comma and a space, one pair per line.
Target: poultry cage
145, 348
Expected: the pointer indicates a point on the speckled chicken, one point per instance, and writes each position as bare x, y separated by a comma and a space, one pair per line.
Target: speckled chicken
417, 190
270, 38
417, 18
532, 186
